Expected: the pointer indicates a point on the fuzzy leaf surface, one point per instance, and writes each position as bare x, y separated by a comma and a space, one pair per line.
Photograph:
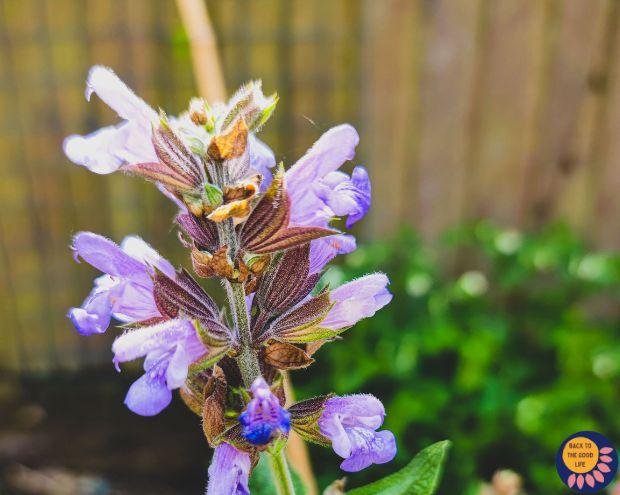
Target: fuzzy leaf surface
420, 477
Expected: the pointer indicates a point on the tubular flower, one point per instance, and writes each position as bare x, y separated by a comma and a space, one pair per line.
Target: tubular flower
351, 423
229, 471
358, 299
319, 192
264, 417
168, 348
125, 292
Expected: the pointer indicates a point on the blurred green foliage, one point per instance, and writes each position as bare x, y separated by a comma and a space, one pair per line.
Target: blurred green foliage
503, 342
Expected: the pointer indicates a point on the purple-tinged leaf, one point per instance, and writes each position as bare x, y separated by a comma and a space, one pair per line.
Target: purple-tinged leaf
182, 295
200, 230
302, 324
305, 416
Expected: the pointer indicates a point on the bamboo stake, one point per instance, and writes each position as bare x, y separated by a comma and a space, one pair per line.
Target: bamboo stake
203, 48
210, 81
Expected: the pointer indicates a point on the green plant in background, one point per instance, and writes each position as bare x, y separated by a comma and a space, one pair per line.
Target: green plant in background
501, 341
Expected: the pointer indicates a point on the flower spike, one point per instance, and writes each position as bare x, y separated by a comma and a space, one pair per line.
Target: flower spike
267, 237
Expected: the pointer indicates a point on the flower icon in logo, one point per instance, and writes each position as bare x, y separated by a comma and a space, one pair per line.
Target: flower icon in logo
596, 475
587, 462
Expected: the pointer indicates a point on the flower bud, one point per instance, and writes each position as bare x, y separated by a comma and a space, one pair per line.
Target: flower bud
264, 418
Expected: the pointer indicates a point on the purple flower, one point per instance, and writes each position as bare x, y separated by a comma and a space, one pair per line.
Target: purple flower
322, 251
107, 149
345, 195
351, 423
168, 348
229, 471
263, 417
125, 292
319, 192
129, 143
358, 299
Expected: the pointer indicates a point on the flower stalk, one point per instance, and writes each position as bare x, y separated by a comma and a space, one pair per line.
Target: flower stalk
281, 473
247, 359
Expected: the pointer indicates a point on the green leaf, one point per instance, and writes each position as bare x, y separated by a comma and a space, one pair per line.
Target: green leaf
261, 482
420, 477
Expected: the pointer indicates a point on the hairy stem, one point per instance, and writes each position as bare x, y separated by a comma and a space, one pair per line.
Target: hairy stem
281, 473
247, 359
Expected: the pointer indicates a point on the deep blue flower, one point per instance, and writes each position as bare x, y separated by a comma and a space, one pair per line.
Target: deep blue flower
264, 418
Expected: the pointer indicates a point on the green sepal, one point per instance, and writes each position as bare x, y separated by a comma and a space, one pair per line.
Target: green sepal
213, 195
420, 477
266, 113
206, 362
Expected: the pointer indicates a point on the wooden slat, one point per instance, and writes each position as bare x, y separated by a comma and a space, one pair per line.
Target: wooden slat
605, 186
569, 47
509, 85
446, 87
391, 55
587, 146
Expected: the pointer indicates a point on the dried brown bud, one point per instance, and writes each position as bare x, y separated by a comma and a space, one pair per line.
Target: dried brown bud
211, 265
286, 356
243, 190
230, 145
198, 111
236, 209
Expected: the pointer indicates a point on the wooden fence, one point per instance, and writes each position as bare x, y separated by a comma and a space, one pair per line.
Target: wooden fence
508, 109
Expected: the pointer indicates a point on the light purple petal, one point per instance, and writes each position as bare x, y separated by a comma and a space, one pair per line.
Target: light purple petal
94, 315
388, 449
350, 423
106, 150
138, 249
361, 182
106, 84
322, 251
370, 448
229, 471
178, 367
133, 302
137, 343
358, 299
105, 255
262, 160
148, 395
333, 148
357, 409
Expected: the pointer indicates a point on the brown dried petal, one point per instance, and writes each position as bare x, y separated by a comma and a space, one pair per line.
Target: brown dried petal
286, 356
243, 190
211, 265
213, 424
235, 209
192, 401
230, 145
